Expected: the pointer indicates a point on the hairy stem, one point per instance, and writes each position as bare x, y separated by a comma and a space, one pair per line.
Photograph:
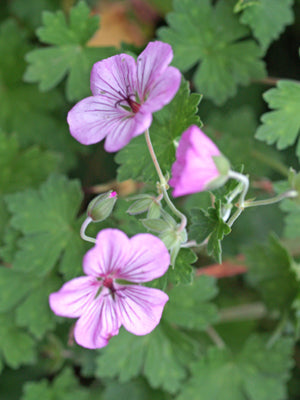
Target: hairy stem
215, 337
154, 158
243, 312
272, 200
85, 224
163, 184
278, 331
245, 182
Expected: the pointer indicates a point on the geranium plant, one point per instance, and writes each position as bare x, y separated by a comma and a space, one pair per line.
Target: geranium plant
149, 242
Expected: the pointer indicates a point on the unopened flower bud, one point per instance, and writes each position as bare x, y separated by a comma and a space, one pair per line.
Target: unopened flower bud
101, 206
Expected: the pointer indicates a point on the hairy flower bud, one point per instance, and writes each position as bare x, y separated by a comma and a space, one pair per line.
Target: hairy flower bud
101, 206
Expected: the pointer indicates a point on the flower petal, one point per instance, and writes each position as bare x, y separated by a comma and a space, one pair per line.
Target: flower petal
194, 167
149, 259
109, 254
152, 63
126, 129
163, 91
114, 77
93, 118
140, 308
74, 297
98, 323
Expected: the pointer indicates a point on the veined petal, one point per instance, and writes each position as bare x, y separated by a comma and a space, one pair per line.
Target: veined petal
114, 77
93, 118
149, 259
74, 297
163, 91
109, 254
98, 324
151, 63
140, 308
126, 129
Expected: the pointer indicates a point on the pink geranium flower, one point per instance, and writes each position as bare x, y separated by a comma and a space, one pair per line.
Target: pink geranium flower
125, 94
199, 164
101, 302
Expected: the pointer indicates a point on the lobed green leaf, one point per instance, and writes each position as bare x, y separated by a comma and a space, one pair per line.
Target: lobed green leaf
212, 35
271, 273
47, 219
282, 125
256, 373
267, 19
69, 53
160, 356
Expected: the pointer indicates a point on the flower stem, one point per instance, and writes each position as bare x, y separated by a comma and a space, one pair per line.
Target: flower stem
243, 312
215, 337
174, 209
163, 184
245, 182
269, 80
278, 331
85, 224
272, 200
154, 158
271, 162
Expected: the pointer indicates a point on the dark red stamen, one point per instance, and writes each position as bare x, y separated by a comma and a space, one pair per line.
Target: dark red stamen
133, 105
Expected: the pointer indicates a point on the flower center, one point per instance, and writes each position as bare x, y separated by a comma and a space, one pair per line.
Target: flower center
133, 105
108, 283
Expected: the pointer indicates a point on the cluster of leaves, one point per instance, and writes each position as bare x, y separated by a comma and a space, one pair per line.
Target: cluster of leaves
44, 66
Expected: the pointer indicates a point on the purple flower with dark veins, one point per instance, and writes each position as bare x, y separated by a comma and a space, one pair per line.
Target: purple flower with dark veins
125, 94
110, 295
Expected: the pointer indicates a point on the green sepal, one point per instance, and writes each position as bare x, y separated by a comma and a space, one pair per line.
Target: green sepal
139, 206
155, 224
223, 166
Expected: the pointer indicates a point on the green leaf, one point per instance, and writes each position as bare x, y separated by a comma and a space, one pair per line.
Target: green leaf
4, 219
34, 312
69, 54
242, 4
22, 168
12, 42
212, 35
47, 219
16, 346
64, 387
137, 389
166, 129
24, 110
267, 19
291, 207
189, 306
239, 145
29, 295
182, 272
257, 373
160, 356
271, 273
31, 11
12, 288
209, 224
281, 125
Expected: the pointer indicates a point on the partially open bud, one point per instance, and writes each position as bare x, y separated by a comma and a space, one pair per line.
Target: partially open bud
199, 164
101, 206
